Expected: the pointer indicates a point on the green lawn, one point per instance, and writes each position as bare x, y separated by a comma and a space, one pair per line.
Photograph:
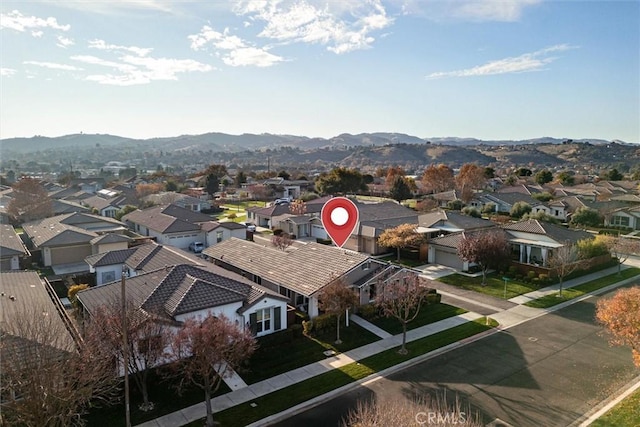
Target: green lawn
624, 414
161, 392
428, 314
271, 360
407, 262
577, 291
286, 398
494, 286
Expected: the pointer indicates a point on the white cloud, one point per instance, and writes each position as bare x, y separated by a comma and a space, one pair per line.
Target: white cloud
492, 10
53, 65
535, 61
234, 51
467, 10
16, 21
37, 34
64, 42
341, 26
135, 70
102, 45
7, 72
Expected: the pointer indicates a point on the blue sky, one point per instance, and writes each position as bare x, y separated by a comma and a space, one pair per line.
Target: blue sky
468, 68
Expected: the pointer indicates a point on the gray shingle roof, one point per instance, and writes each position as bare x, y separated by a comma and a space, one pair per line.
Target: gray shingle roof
51, 232
305, 269
146, 257
177, 290
110, 238
168, 219
458, 219
556, 232
10, 243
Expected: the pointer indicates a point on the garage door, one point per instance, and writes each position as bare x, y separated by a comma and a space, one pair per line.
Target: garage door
448, 259
69, 255
5, 264
319, 231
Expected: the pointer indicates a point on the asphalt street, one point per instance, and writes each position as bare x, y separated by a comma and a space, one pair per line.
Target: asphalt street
548, 371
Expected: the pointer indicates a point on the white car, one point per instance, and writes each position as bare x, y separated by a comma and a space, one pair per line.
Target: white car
196, 247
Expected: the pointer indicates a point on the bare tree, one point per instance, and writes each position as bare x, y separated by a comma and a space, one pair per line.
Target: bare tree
30, 201
335, 299
487, 249
621, 247
564, 261
405, 412
281, 241
400, 237
401, 297
208, 349
148, 339
48, 379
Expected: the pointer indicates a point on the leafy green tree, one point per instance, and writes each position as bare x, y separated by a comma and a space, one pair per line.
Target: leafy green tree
540, 216
455, 205
240, 178
614, 175
544, 176
489, 172
284, 175
586, 217
566, 178
524, 172
212, 184
217, 170
122, 212
489, 208
519, 209
542, 197
471, 211
171, 185
341, 181
400, 189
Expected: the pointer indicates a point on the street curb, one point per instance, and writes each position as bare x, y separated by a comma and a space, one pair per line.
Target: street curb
280, 416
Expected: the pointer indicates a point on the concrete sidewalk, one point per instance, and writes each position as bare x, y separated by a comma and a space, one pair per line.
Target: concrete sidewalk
253, 391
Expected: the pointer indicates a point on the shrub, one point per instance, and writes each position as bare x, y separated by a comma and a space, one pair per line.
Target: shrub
277, 231
531, 274
232, 216
434, 298
296, 330
324, 322
544, 278
518, 276
513, 271
307, 327
301, 316
368, 311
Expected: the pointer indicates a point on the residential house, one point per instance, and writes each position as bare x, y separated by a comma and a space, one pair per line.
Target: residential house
441, 222
177, 226
13, 253
275, 215
179, 199
284, 188
299, 273
177, 293
108, 266
505, 201
374, 219
62, 242
627, 218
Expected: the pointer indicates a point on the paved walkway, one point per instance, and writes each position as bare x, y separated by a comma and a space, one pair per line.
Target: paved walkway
507, 313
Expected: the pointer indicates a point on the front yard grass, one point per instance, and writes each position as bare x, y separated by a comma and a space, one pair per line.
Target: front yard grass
577, 291
494, 286
293, 395
429, 313
624, 414
272, 360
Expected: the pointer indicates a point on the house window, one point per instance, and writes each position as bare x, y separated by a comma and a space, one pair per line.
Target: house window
263, 320
620, 220
150, 346
218, 236
108, 276
557, 212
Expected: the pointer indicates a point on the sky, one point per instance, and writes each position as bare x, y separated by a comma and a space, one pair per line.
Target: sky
487, 69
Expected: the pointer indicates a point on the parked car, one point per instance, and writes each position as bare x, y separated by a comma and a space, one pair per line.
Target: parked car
196, 247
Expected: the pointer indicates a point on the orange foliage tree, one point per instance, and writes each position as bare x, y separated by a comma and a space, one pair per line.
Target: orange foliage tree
437, 179
620, 316
471, 177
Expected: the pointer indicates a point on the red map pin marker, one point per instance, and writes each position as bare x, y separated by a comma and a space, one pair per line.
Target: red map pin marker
339, 217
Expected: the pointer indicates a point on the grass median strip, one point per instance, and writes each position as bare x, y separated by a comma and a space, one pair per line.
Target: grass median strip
577, 291
293, 395
624, 414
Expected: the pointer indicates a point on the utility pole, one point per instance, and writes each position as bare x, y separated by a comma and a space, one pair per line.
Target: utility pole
125, 348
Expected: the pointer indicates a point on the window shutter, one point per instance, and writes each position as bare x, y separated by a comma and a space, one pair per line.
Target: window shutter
253, 323
276, 318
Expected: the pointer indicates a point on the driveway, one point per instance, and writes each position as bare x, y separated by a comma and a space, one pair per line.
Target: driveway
546, 372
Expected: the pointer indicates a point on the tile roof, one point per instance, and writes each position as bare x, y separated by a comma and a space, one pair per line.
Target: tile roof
305, 269
168, 219
558, 233
50, 232
457, 219
145, 257
176, 290
511, 198
110, 238
10, 243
